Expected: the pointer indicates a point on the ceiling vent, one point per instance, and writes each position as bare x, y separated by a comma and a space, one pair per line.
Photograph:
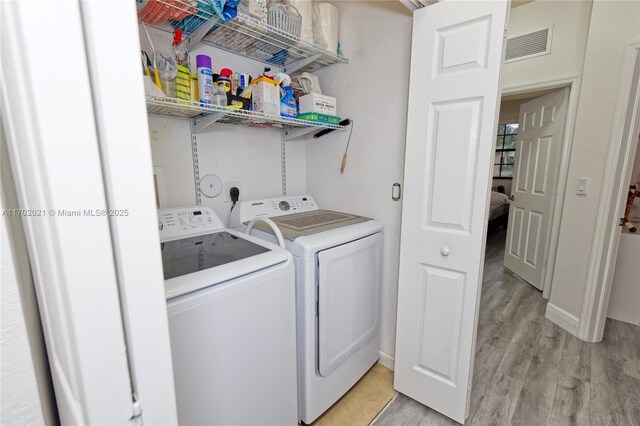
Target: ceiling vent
529, 45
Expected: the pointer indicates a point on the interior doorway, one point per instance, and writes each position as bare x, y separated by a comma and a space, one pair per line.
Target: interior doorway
526, 172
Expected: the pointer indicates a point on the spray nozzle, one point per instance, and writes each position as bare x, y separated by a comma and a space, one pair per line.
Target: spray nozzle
283, 79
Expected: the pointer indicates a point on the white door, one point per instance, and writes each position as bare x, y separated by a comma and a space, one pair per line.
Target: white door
456, 59
535, 173
77, 151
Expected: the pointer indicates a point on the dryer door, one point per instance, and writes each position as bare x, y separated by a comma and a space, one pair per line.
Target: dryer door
349, 285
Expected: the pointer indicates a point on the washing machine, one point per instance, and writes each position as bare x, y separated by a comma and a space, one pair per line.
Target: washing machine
338, 260
231, 307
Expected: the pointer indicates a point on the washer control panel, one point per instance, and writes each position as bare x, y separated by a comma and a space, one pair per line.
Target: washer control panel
245, 211
175, 222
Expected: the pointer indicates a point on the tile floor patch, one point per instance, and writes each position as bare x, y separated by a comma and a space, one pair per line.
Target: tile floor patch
363, 402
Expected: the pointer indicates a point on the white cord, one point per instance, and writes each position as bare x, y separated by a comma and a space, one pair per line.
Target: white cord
273, 226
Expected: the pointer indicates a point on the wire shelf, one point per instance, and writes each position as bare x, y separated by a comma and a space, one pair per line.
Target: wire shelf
157, 11
179, 108
255, 39
245, 35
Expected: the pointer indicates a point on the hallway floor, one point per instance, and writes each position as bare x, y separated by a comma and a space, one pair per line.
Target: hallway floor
528, 371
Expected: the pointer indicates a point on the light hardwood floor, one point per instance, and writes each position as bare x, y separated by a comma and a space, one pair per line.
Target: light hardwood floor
528, 371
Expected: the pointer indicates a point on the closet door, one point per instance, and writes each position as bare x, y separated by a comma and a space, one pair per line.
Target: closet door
456, 59
74, 118
52, 144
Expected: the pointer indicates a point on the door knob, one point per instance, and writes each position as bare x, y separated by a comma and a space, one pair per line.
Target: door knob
445, 251
512, 198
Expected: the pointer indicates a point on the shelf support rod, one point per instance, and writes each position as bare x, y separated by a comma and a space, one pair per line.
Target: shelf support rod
300, 63
283, 164
196, 163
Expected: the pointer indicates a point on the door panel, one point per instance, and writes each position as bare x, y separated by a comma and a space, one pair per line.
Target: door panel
441, 302
454, 91
516, 236
455, 134
542, 122
349, 278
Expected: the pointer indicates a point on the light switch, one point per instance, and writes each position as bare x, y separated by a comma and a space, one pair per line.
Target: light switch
583, 186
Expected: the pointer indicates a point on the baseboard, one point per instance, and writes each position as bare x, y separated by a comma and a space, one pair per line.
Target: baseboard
562, 318
387, 360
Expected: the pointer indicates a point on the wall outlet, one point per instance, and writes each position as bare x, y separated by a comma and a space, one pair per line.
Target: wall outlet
227, 188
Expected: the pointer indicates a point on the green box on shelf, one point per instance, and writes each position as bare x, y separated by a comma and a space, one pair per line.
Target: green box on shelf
319, 118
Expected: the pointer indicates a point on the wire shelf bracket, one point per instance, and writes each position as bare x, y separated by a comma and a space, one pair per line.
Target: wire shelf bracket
201, 123
291, 134
301, 63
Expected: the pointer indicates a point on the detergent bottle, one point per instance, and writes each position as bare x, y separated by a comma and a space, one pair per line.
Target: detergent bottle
288, 106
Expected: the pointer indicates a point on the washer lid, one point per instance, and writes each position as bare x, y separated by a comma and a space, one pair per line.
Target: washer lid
313, 222
201, 261
188, 255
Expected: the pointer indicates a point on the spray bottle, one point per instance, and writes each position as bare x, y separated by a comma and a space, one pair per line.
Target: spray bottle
205, 79
288, 106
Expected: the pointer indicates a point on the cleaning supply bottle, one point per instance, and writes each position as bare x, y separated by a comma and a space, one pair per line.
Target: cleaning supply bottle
205, 79
265, 95
183, 77
195, 96
224, 80
288, 106
219, 96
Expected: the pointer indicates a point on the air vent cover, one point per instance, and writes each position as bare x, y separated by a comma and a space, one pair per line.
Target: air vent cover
529, 45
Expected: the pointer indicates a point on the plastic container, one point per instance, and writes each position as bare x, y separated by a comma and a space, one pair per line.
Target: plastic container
285, 18
266, 95
156, 11
219, 97
205, 79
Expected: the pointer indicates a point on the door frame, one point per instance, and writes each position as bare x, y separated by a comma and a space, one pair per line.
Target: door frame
573, 83
610, 207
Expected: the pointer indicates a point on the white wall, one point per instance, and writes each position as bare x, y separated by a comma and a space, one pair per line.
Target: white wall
613, 24
570, 21
233, 153
372, 90
510, 110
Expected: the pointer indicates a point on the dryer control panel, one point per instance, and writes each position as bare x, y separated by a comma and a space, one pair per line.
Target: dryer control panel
245, 211
176, 222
